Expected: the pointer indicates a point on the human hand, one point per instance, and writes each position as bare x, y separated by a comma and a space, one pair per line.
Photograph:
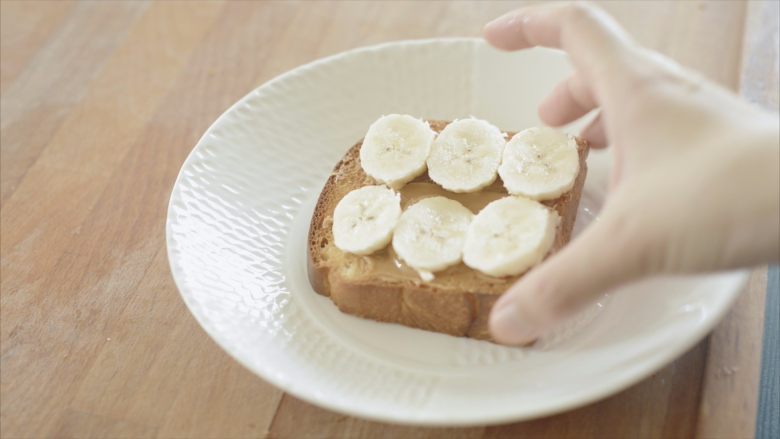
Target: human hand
695, 184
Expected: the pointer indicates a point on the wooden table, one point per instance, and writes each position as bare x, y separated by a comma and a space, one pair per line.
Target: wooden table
101, 102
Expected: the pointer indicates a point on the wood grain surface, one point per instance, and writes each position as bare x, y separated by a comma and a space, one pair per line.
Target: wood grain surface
102, 101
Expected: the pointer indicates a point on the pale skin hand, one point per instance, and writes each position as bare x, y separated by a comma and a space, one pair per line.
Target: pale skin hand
695, 186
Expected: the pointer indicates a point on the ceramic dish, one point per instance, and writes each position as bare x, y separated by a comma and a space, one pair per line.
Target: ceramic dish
236, 234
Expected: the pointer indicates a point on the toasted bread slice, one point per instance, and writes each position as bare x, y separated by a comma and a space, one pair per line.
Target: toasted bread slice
380, 287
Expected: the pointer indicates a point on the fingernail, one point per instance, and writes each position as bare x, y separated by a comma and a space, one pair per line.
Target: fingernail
508, 327
506, 20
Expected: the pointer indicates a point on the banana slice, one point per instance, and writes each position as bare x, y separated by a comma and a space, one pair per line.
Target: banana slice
364, 219
430, 234
540, 163
509, 236
395, 149
465, 155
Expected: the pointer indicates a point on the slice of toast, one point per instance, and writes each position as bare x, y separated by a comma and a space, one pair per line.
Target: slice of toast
380, 287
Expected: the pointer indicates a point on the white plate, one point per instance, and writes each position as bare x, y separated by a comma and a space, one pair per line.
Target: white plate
236, 234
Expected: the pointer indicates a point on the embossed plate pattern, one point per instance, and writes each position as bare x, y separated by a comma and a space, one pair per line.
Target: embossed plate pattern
236, 235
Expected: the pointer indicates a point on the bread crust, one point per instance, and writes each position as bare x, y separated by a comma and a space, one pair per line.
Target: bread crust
459, 308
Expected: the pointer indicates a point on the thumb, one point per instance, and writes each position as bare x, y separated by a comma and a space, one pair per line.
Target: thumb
609, 252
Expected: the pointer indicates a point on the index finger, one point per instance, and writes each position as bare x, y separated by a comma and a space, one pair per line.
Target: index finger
593, 40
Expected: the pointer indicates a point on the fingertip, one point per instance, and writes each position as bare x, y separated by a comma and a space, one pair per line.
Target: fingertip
505, 32
595, 134
595, 143
549, 113
507, 327
567, 102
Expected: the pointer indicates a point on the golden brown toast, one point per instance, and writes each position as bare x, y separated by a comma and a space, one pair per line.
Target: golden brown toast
381, 287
